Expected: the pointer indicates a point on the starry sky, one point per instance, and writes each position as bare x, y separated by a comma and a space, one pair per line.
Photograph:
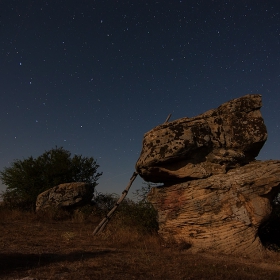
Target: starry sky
94, 76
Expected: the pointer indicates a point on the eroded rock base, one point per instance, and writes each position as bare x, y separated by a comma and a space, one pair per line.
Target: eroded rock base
222, 212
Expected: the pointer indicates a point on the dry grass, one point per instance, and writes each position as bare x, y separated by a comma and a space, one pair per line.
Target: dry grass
41, 248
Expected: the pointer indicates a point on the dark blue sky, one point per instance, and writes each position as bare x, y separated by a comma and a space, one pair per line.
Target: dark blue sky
94, 76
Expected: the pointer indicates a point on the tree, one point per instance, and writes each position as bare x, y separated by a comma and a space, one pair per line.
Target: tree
27, 178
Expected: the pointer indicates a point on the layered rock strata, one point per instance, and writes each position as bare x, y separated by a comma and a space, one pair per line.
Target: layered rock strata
222, 212
215, 195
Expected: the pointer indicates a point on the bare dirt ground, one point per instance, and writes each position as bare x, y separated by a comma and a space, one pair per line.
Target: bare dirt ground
35, 248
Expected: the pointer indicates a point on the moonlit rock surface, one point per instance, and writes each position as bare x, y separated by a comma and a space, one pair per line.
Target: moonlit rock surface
211, 143
222, 212
67, 196
215, 194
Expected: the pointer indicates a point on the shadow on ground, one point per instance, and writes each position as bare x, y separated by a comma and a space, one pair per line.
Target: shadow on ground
21, 262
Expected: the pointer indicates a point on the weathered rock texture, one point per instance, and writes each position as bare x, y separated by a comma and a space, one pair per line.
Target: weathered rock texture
215, 194
67, 196
222, 212
211, 143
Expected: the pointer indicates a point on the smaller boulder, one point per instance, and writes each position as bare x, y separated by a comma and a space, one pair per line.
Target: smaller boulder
67, 196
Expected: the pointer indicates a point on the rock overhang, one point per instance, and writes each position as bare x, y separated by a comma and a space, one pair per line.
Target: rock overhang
231, 135
215, 194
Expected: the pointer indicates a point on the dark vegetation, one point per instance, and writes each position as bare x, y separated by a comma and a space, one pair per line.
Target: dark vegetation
26, 179
60, 245
57, 244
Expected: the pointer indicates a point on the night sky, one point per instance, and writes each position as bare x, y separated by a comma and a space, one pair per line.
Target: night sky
94, 76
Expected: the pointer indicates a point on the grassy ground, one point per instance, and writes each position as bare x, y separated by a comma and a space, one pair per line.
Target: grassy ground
40, 247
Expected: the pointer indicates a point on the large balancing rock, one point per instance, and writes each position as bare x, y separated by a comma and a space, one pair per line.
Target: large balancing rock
222, 212
211, 143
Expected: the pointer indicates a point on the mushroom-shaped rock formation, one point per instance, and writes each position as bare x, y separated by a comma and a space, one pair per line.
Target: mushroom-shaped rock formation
215, 194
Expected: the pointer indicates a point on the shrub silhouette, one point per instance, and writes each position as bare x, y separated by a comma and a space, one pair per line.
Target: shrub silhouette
27, 178
140, 215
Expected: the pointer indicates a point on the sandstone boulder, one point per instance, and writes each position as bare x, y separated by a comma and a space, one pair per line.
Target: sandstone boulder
222, 212
215, 194
211, 143
67, 196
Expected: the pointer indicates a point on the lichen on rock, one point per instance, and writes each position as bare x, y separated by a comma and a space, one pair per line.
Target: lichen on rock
65, 196
213, 142
215, 195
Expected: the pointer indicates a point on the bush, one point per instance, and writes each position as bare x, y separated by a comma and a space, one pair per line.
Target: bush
27, 178
140, 215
